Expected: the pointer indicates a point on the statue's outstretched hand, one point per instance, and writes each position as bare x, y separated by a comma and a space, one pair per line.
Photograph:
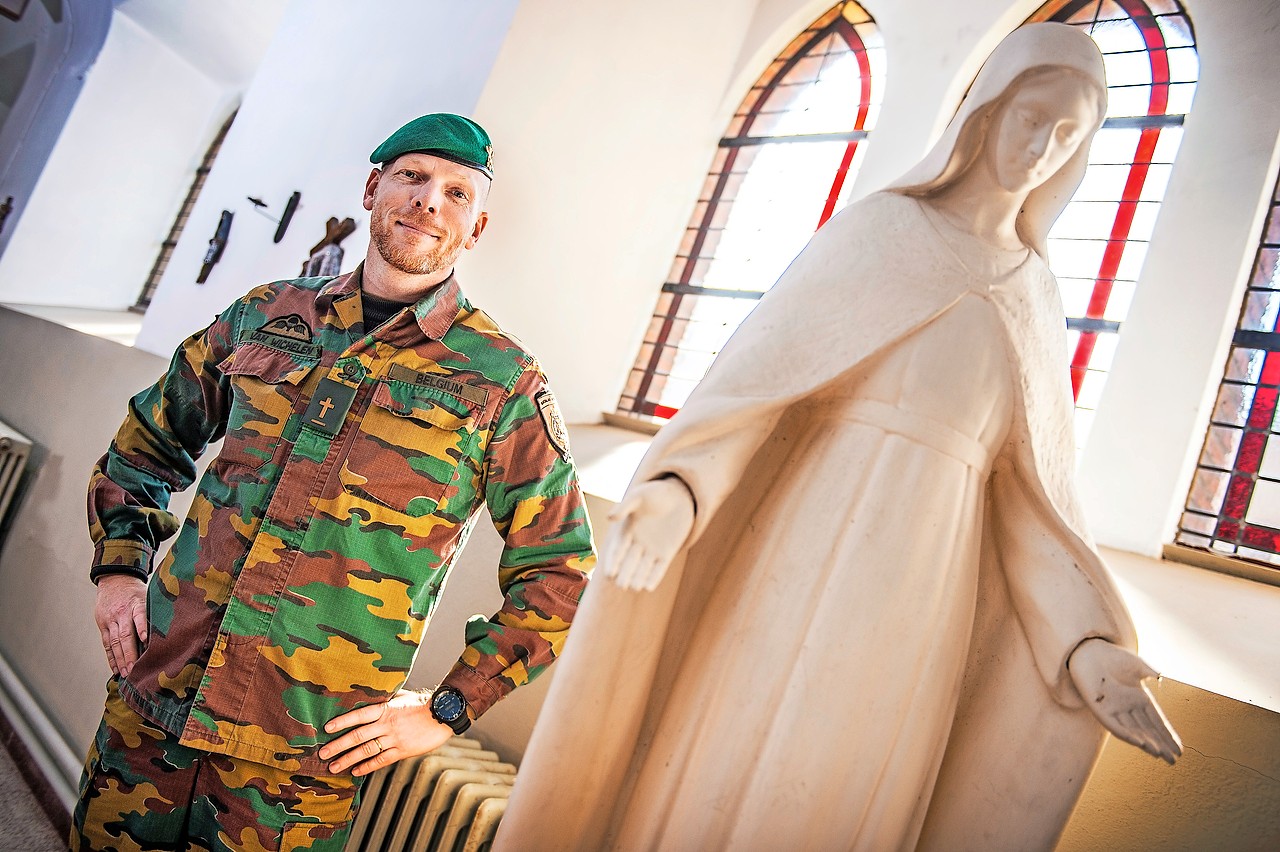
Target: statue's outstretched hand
649, 527
1109, 679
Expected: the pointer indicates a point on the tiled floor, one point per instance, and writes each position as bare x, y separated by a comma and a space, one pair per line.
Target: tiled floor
120, 326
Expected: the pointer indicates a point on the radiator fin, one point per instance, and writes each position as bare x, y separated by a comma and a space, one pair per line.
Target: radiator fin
15, 448
445, 801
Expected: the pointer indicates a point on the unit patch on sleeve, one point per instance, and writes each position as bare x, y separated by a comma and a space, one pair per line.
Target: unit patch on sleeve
556, 430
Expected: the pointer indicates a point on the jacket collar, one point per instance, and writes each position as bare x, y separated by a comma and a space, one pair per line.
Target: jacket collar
435, 312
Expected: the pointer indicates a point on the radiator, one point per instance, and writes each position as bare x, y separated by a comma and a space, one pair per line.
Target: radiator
447, 801
14, 449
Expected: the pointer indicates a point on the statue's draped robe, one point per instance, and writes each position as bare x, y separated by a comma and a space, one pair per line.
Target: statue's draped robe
600, 771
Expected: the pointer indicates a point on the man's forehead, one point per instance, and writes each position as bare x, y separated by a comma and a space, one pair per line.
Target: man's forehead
423, 161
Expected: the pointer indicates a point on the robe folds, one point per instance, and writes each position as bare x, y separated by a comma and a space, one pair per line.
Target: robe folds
1018, 746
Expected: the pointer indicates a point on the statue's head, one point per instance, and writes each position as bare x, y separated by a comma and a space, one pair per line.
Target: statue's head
1027, 122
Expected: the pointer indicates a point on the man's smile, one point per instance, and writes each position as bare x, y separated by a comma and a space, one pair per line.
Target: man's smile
419, 229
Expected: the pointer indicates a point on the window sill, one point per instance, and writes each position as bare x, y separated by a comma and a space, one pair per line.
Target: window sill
633, 424
1222, 563
1217, 632
607, 457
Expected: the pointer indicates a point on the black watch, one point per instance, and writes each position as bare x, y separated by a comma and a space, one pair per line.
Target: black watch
448, 707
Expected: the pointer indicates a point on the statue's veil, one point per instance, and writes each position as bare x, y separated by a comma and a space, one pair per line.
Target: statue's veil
1032, 46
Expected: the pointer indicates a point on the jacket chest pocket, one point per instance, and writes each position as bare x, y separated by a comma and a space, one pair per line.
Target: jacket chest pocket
410, 447
265, 385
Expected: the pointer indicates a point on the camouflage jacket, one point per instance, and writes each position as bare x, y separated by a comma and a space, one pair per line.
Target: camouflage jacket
352, 470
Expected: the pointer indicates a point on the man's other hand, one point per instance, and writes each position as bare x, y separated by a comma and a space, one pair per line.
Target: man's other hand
381, 734
121, 614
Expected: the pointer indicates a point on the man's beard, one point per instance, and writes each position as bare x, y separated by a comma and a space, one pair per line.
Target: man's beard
414, 263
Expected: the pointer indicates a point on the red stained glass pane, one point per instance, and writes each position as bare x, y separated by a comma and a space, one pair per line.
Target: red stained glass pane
1098, 247
1248, 517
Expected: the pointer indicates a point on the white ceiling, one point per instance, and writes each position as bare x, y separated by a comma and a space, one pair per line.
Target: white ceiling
224, 40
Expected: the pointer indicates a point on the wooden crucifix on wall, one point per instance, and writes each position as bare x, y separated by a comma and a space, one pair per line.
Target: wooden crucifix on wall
326, 255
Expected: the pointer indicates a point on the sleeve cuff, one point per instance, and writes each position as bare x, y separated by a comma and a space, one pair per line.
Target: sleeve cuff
481, 694
121, 557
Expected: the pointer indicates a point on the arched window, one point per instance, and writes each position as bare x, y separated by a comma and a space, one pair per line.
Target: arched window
1098, 245
1234, 504
180, 221
784, 166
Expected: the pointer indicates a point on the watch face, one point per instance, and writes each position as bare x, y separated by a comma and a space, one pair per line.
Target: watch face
448, 705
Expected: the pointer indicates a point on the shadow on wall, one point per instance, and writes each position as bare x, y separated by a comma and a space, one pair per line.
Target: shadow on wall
1223, 793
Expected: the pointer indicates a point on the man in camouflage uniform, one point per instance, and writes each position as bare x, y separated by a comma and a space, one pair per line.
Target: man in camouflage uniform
259, 672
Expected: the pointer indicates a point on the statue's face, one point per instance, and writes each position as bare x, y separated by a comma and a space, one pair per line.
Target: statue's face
1039, 130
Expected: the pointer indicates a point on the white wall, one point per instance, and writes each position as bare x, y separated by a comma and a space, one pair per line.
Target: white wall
335, 81
115, 178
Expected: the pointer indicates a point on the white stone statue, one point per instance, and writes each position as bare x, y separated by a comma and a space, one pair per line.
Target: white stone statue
848, 601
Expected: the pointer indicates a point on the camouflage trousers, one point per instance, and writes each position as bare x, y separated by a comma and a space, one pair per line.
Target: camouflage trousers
142, 790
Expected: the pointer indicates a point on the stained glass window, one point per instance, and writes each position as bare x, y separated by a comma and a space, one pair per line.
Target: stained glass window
1234, 504
783, 168
180, 222
1098, 245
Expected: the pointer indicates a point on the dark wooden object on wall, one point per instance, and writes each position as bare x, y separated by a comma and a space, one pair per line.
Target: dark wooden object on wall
326, 255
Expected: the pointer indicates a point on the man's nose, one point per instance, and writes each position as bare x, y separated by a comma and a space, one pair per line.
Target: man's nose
426, 200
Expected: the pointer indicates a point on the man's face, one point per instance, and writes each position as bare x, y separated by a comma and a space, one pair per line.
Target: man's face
426, 211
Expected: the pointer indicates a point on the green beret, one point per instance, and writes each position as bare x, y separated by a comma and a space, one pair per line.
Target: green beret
441, 134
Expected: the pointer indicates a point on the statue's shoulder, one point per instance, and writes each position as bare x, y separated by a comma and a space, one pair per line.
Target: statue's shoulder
879, 212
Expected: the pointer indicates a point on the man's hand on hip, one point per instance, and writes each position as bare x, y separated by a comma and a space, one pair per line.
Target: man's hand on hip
381, 734
121, 614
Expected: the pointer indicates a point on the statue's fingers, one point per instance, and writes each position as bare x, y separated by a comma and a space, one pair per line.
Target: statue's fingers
1138, 723
1162, 733
1145, 671
622, 509
1154, 733
618, 563
617, 543
623, 563
655, 571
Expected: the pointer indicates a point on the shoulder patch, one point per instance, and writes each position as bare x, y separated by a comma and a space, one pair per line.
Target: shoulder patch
554, 422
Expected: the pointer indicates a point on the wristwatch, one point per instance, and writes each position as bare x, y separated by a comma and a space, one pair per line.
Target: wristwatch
448, 707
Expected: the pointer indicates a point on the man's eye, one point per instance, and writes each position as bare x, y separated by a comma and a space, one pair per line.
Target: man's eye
409, 173
460, 195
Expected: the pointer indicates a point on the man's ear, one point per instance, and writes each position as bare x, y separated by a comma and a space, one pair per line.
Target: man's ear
371, 186
481, 221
